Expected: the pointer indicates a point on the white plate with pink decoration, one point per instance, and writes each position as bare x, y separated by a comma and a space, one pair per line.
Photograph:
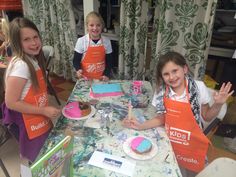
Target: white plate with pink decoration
93, 111
146, 156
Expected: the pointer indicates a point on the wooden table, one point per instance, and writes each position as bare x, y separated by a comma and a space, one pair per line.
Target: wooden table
88, 137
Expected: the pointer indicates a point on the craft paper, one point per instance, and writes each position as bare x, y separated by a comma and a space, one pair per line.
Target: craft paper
104, 90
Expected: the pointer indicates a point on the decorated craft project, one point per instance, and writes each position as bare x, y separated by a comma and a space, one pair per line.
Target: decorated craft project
105, 90
141, 145
77, 110
140, 148
137, 87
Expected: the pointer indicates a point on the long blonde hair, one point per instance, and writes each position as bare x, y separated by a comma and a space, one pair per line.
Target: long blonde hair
15, 41
5, 29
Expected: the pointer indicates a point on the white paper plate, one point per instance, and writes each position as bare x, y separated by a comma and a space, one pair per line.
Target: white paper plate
127, 149
93, 111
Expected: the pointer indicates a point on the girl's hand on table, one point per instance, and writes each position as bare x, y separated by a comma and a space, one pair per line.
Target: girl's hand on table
79, 73
132, 123
104, 78
51, 112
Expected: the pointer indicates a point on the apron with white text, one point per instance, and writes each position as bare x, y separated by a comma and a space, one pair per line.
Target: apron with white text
35, 124
188, 141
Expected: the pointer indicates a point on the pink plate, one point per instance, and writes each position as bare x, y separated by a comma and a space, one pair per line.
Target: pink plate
93, 111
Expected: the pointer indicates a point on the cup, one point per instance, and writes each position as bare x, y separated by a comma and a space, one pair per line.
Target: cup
137, 87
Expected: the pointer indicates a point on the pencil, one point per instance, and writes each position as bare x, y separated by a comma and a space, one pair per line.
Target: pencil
166, 157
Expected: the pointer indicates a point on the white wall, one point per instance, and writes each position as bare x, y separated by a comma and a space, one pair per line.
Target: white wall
90, 5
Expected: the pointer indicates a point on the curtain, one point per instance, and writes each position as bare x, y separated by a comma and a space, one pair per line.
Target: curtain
55, 21
184, 26
132, 43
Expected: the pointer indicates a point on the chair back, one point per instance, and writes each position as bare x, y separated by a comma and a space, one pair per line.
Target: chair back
219, 167
48, 52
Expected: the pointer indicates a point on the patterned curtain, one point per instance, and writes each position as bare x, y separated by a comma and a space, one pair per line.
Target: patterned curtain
184, 26
55, 21
132, 43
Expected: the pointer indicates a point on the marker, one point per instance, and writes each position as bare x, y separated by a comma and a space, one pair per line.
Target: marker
166, 158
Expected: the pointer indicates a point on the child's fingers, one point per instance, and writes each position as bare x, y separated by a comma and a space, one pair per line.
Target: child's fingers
78, 75
225, 88
126, 121
133, 118
228, 87
231, 93
222, 87
104, 78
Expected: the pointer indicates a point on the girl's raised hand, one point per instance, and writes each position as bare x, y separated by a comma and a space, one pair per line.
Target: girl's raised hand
223, 94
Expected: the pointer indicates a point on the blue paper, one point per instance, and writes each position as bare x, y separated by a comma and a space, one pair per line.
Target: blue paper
106, 88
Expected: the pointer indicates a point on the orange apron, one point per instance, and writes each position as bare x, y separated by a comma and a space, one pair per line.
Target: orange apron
188, 141
93, 63
35, 124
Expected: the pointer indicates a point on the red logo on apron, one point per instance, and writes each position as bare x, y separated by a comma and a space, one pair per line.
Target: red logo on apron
93, 63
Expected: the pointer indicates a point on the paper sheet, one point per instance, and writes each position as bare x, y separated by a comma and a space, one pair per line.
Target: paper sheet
112, 162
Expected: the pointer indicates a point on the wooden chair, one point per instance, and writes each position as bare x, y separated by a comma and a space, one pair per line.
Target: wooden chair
48, 53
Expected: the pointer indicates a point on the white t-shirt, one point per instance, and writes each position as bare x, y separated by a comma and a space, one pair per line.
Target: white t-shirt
82, 44
203, 93
19, 68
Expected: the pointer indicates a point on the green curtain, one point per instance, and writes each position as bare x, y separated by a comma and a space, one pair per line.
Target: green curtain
132, 43
55, 21
184, 26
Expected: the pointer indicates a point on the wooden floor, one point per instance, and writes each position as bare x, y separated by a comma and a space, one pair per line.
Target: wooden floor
217, 152
230, 118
